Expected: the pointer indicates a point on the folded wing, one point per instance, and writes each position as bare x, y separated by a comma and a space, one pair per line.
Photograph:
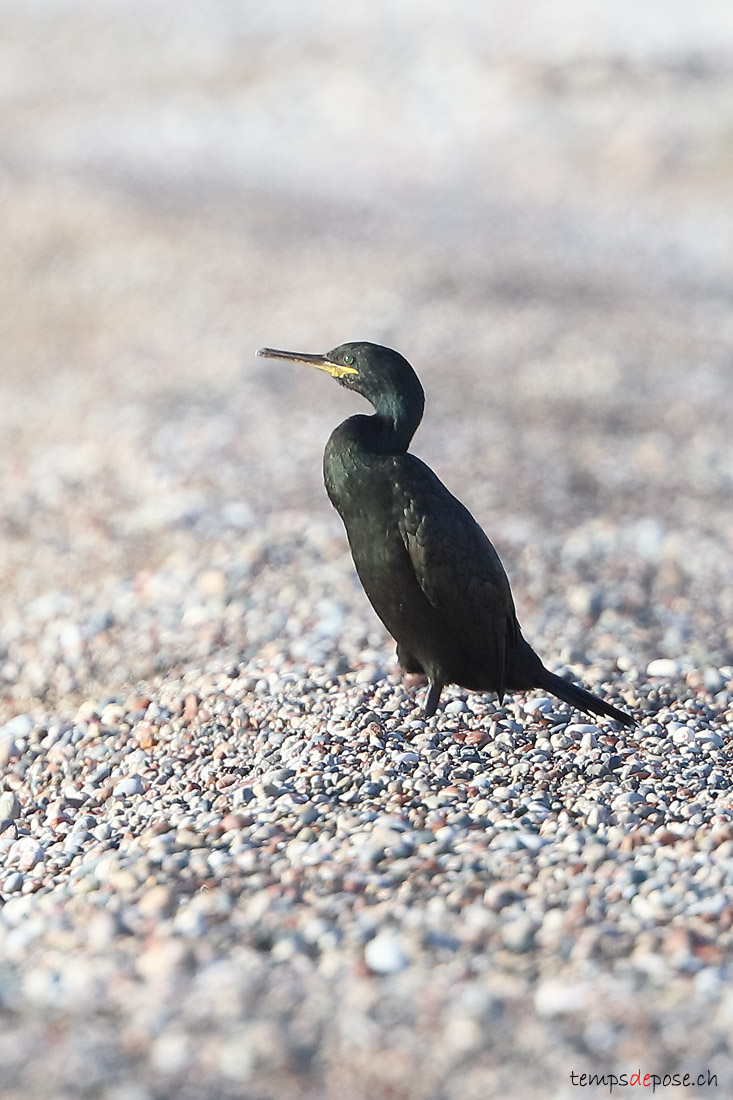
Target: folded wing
457, 568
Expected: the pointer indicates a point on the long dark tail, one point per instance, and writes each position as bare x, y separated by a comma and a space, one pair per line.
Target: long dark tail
579, 697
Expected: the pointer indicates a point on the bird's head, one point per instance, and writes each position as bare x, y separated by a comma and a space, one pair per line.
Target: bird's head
380, 374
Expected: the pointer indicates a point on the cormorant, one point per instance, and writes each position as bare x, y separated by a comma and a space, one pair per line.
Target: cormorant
430, 572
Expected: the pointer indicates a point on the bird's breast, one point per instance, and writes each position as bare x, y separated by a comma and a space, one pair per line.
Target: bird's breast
357, 480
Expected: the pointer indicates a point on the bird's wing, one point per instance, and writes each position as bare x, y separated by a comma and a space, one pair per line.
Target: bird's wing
457, 567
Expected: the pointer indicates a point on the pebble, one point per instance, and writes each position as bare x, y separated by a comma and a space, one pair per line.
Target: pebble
9, 806
8, 748
518, 934
73, 796
18, 727
663, 667
157, 901
713, 680
129, 786
25, 853
561, 998
385, 954
13, 883
542, 704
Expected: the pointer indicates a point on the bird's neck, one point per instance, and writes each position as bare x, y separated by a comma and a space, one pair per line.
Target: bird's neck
391, 428
359, 436
350, 447
383, 435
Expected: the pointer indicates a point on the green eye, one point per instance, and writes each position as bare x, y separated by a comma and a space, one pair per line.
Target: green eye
348, 360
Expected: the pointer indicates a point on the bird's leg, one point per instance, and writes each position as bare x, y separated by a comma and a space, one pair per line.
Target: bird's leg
431, 703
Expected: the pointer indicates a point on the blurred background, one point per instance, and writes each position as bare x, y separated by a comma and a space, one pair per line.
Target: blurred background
531, 201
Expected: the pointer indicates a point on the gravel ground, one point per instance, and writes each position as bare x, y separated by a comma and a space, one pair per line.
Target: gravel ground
235, 860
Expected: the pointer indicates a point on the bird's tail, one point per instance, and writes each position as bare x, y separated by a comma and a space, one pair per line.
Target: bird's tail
580, 698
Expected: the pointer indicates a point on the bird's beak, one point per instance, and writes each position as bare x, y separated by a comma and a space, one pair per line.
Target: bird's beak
336, 370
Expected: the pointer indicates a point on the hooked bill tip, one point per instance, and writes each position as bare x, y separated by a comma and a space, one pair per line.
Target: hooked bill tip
291, 356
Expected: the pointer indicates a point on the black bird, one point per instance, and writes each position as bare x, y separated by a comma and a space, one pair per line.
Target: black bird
432, 575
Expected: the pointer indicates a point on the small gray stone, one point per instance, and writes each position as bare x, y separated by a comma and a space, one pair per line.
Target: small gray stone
713, 680
9, 806
242, 796
518, 934
8, 748
13, 884
73, 796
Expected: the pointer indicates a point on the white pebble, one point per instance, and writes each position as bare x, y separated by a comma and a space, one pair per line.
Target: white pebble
20, 726
555, 997
384, 954
26, 852
662, 666
543, 704
131, 785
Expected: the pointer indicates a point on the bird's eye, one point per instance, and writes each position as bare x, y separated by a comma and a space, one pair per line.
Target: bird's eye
348, 360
